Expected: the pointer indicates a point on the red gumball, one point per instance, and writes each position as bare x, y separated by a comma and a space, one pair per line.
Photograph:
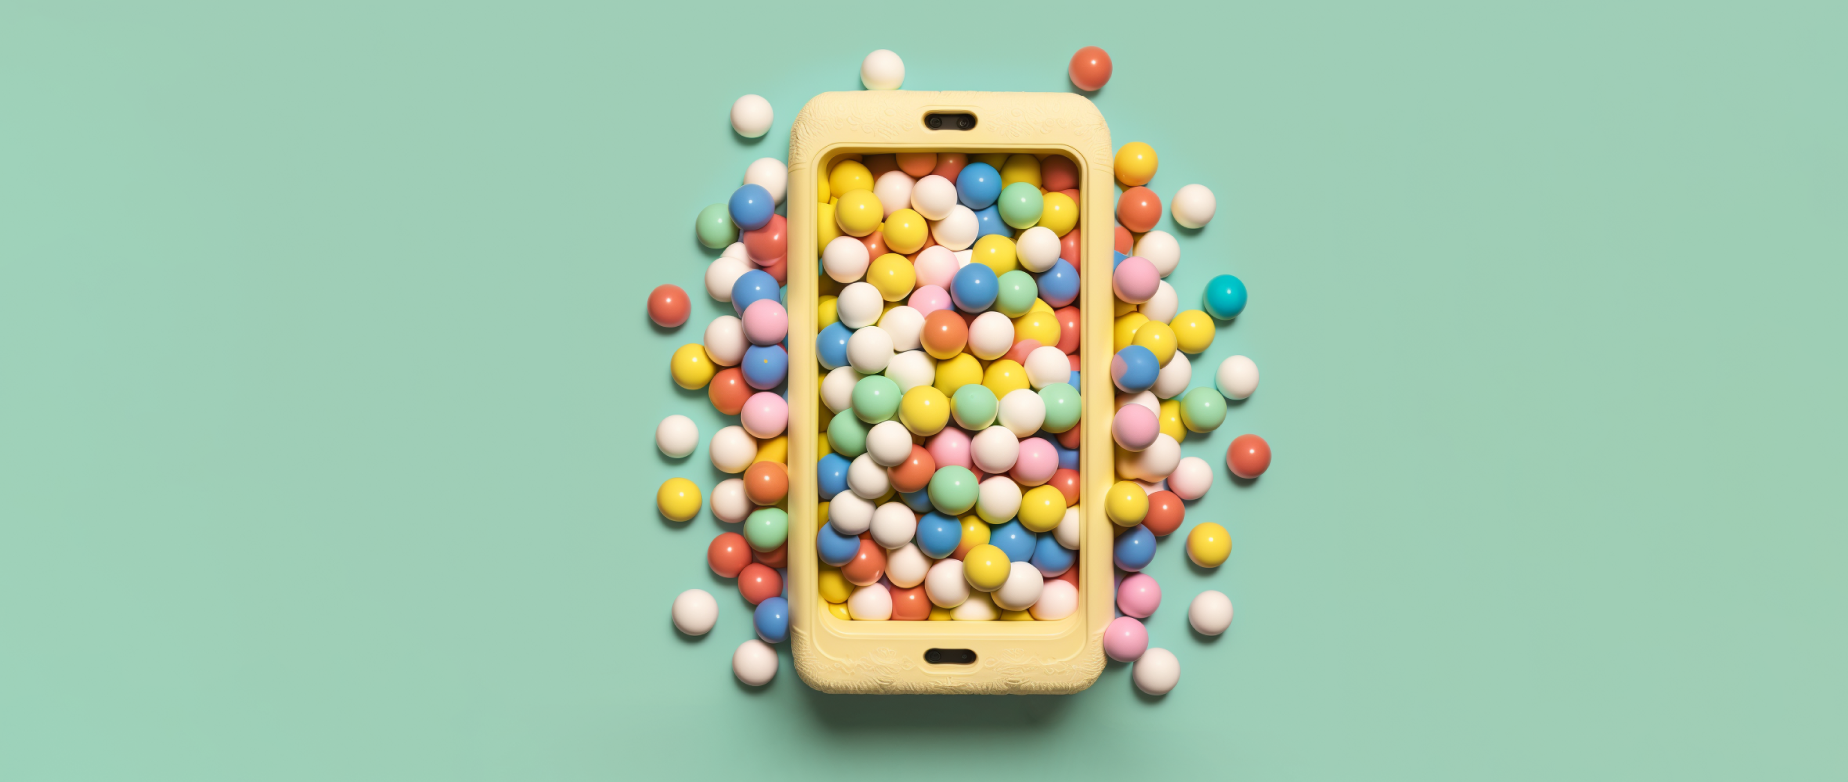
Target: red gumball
950, 164
1138, 209
1165, 513
867, 565
1069, 323
766, 482
880, 164
910, 605
1069, 247
778, 557
759, 582
728, 391
1058, 172
778, 270
1090, 69
1066, 481
1071, 574
1018, 353
1248, 456
1069, 438
728, 554
668, 306
1076, 361
765, 245
1125, 243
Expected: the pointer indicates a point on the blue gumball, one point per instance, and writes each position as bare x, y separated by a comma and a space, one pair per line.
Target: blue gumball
831, 475
1052, 558
831, 345
1074, 383
1134, 368
1014, 540
978, 186
1117, 259
918, 501
938, 535
754, 286
974, 288
764, 367
833, 547
1225, 297
772, 620
751, 207
1058, 286
1135, 549
988, 222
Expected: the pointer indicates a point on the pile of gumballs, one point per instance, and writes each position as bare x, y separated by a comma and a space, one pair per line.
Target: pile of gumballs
948, 345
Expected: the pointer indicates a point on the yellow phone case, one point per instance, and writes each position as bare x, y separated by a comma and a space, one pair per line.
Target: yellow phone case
840, 656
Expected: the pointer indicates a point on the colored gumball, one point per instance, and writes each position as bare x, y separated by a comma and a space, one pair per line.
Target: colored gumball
833, 547
1134, 369
1225, 297
676, 436
751, 207
975, 288
1166, 512
764, 367
1135, 280
1156, 672
1139, 595
679, 499
1248, 456
1134, 427
754, 663
768, 242
1125, 639
867, 565
1135, 549
882, 70
751, 116
771, 619
765, 322
1210, 613
758, 582
766, 483
668, 306
695, 612
1208, 544
1138, 209
1193, 206
728, 391
728, 554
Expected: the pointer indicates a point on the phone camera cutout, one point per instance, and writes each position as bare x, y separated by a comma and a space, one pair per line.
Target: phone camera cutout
950, 121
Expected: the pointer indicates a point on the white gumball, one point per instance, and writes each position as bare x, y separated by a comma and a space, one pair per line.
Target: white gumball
944, 584
1210, 613
859, 305
735, 250
978, 608
933, 197
869, 350
994, 450
957, 230
849, 514
1021, 412
677, 436
1037, 248
730, 503
732, 449
1150, 487
894, 524
907, 566
723, 272
1173, 379
990, 335
866, 479
845, 259
837, 388
1144, 398
964, 257
695, 612
725, 341
751, 116
893, 189
1058, 599
770, 174
911, 369
906, 325
999, 498
1022, 587
1156, 672
1068, 531
1162, 306
1151, 464
870, 603
754, 663
882, 70
1160, 248
1193, 206
1047, 365
888, 443
1191, 478
1237, 377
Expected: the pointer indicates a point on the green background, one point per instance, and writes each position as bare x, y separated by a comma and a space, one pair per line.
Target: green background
326, 392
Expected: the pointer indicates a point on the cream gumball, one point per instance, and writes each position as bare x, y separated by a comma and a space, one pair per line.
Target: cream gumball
677, 436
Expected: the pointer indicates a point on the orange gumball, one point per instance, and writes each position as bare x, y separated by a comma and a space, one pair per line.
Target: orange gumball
950, 164
759, 582
945, 334
775, 558
879, 164
1069, 438
779, 270
1090, 69
1066, 481
1165, 513
1138, 209
1248, 456
914, 473
875, 244
867, 565
728, 554
1069, 247
910, 605
728, 391
917, 164
1058, 172
765, 245
766, 482
1018, 353
1070, 576
1125, 243
1069, 319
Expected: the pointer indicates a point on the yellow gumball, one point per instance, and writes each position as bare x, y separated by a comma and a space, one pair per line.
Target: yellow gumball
825, 228
1170, 418
1060, 213
1125, 330
831, 585
892, 275
1040, 305
1208, 544
1193, 331
1040, 325
1004, 376
823, 192
839, 610
678, 499
827, 286
939, 614
1135, 163
822, 446
1016, 616
1126, 503
775, 449
905, 231
1158, 338
847, 176
996, 159
995, 252
691, 367
858, 213
1020, 168
957, 371
826, 312
1121, 308
1042, 508
985, 567
975, 532
924, 410
821, 514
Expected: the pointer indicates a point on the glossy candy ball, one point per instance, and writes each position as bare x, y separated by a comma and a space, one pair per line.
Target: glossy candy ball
730, 504
751, 207
1237, 377
1193, 206
923, 410
1134, 427
678, 499
1138, 209
766, 528
1135, 164
723, 272
957, 230
933, 197
860, 305
676, 436
875, 398
751, 116
1135, 280
764, 367
725, 341
1191, 478
751, 287
1062, 405
1203, 409
1139, 595
770, 174
834, 547
1210, 613
1166, 513
845, 259
695, 612
668, 306
758, 582
1021, 205
1225, 297
978, 186
728, 554
938, 534
765, 322
714, 227
946, 584
1134, 368
1134, 549
869, 350
771, 619
1156, 672
732, 450
1208, 544
1015, 293
767, 244
974, 288
1022, 588
766, 483
1126, 503
1125, 639
1089, 71
953, 489
1037, 249
1058, 287
974, 406
1248, 456
690, 367
867, 565
986, 567
882, 70
754, 663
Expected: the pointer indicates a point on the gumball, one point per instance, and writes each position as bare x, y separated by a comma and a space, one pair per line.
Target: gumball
1139, 595
725, 341
936, 268
755, 662
917, 164
926, 299
714, 227
765, 322
952, 489
839, 611
937, 534
847, 435
1158, 338
770, 174
1237, 377
871, 602
1134, 549
1135, 280
990, 336
1191, 478
1022, 588
1166, 512
945, 584
1021, 411
1123, 330
882, 70
974, 288
905, 325
960, 370
910, 369
1037, 249
1051, 558
1015, 293
1193, 331
837, 388
1225, 297
728, 554
1248, 456
950, 447
1134, 368
722, 273
1059, 214
1059, 285
834, 547
1066, 481
867, 479
1012, 537
918, 501
1173, 378
867, 565
690, 367
1041, 508
1021, 205
1021, 168
958, 230
771, 619
751, 287
893, 527
994, 450
869, 350
1058, 599
676, 436
1134, 428
875, 398
1153, 463
1070, 529
1156, 672
860, 305
1138, 209
923, 410
1210, 613
766, 483
1135, 165
1144, 398
988, 222
985, 567
1035, 463
996, 252
1161, 249
978, 186
1203, 409
758, 582
766, 528
831, 345
933, 197
893, 189
849, 175
1126, 504
678, 499
845, 259
944, 334
668, 306
913, 474
830, 585
1125, 639
778, 269
858, 213
888, 444
1039, 328
975, 532
1089, 71
751, 207
751, 116
764, 367
905, 233
1069, 321
1208, 544
730, 504
1193, 206
910, 605
1070, 246
695, 612
732, 449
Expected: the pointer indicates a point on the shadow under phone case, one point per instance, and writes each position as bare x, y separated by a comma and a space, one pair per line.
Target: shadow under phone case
840, 656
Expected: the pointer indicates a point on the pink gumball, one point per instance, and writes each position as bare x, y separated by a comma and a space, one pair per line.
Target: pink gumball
765, 415
1139, 596
765, 322
950, 446
1125, 639
1135, 427
1037, 462
928, 299
936, 266
1136, 280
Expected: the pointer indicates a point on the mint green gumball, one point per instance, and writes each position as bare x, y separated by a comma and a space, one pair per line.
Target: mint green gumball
847, 436
875, 398
1021, 205
766, 528
1203, 410
953, 490
1063, 408
715, 227
974, 406
1016, 292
